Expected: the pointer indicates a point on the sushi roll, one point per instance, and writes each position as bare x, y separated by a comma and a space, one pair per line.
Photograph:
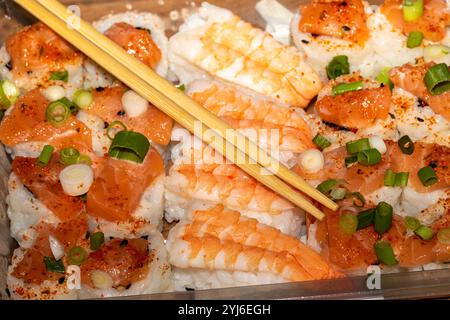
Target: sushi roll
223, 46
202, 175
280, 130
141, 34
371, 37
37, 56
419, 114
221, 248
126, 265
40, 271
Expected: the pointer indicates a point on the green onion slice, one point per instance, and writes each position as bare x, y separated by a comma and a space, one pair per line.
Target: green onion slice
347, 87
46, 155
389, 178
358, 199
385, 254
62, 75
401, 179
83, 98
129, 145
427, 176
424, 232
96, 240
57, 113
54, 266
412, 223
383, 217
181, 87
437, 79
326, 186
357, 146
365, 218
443, 236
406, 145
114, 128
369, 157
338, 66
8, 94
415, 39
338, 193
76, 256
383, 77
69, 156
412, 10
348, 223
350, 160
321, 142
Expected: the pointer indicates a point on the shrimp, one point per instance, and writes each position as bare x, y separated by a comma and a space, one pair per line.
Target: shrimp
232, 50
136, 42
231, 226
433, 23
27, 123
36, 52
355, 109
410, 78
341, 19
246, 111
154, 124
212, 253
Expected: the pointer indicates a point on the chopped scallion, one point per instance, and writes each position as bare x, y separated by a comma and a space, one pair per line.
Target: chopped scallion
437, 79
347, 87
383, 217
412, 223
69, 156
96, 240
424, 232
348, 223
76, 256
321, 142
369, 157
414, 39
53, 265
412, 10
365, 218
357, 146
406, 145
385, 254
46, 155
338, 66
427, 176
62, 75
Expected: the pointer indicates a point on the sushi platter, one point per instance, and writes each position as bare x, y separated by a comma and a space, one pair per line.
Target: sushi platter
104, 196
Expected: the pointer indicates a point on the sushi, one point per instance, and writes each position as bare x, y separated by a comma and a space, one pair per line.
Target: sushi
220, 248
279, 129
225, 47
141, 34
37, 56
201, 175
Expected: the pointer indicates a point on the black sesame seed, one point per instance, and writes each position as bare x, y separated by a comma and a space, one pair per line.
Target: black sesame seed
433, 164
105, 124
144, 237
314, 35
128, 286
392, 116
305, 41
87, 235
344, 3
8, 293
346, 29
124, 243
121, 113
190, 289
61, 280
420, 119
421, 103
110, 238
9, 65
335, 126
99, 89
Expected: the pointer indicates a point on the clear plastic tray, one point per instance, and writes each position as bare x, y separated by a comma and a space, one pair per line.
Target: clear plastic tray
401, 285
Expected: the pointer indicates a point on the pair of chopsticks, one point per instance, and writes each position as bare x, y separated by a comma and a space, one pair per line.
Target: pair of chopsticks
176, 104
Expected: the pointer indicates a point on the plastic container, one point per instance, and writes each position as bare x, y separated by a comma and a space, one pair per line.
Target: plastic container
399, 285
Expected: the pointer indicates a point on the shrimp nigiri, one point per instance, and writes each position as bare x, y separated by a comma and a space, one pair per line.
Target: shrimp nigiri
223, 46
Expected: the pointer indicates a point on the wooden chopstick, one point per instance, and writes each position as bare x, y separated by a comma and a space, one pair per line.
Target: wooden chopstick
117, 62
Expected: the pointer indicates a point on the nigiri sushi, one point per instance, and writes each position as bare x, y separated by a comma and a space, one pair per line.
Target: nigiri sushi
220, 248
221, 45
279, 129
37, 56
200, 174
141, 34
